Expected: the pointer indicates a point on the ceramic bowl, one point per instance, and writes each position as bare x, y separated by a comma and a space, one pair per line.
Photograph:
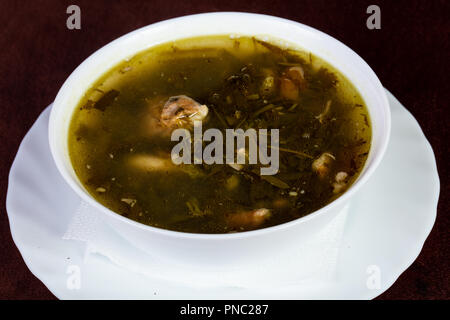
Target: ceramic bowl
220, 249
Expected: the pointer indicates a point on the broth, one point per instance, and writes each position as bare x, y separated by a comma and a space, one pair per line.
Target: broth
120, 134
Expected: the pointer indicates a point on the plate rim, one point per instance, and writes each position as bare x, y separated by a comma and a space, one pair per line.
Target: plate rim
414, 251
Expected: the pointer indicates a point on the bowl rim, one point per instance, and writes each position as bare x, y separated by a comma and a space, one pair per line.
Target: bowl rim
356, 185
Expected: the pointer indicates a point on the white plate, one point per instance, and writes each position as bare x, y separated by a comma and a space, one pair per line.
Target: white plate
387, 224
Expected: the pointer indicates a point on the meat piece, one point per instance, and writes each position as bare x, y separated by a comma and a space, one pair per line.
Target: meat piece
180, 111
340, 182
291, 82
150, 124
147, 162
322, 164
163, 115
296, 74
161, 163
288, 89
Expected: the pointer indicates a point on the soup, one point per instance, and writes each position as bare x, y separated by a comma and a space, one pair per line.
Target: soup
121, 135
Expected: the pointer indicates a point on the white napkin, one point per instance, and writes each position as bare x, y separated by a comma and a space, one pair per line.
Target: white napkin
312, 261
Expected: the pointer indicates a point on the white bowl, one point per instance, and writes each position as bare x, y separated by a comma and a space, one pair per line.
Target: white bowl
220, 249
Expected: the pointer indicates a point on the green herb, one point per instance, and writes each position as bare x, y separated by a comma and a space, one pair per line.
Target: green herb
293, 151
106, 100
221, 119
262, 110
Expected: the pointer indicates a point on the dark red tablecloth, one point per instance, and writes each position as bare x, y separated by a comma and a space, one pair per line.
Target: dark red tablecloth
410, 54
